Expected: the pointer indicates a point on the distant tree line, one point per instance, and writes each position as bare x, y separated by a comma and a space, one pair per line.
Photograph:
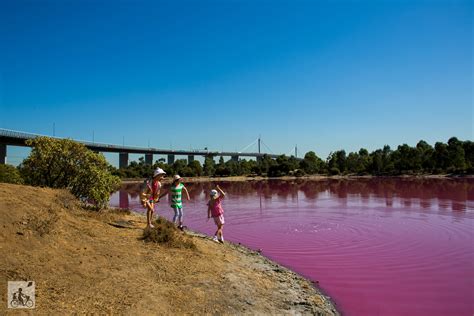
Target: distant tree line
453, 157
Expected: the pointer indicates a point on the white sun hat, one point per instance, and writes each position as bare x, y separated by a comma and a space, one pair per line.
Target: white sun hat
213, 192
158, 172
176, 177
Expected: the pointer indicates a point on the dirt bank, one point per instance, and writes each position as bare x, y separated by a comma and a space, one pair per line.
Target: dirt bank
84, 262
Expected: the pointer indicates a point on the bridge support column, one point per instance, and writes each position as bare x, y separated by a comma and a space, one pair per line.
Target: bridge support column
235, 158
3, 154
170, 159
123, 160
149, 159
190, 158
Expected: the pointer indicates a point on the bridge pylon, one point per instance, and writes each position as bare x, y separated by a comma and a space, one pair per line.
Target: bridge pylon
3, 154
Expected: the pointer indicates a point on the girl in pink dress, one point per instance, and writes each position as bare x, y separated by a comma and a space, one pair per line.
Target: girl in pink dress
215, 210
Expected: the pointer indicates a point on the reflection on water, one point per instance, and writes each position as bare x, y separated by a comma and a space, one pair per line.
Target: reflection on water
123, 199
383, 246
451, 194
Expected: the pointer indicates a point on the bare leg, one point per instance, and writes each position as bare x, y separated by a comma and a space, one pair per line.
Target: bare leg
216, 234
151, 217
149, 214
219, 231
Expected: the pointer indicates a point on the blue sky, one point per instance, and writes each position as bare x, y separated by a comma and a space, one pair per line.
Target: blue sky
325, 75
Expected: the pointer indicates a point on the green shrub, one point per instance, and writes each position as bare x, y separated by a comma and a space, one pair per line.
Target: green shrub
334, 171
167, 234
63, 163
10, 174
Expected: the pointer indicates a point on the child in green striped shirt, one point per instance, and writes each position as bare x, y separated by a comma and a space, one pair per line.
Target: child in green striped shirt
177, 187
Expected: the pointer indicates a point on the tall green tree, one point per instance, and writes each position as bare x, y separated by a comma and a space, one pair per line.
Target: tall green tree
377, 165
312, 164
457, 162
195, 165
282, 167
365, 160
209, 166
387, 160
337, 162
441, 157
247, 166
468, 147
406, 159
425, 152
354, 163
265, 163
179, 166
358, 162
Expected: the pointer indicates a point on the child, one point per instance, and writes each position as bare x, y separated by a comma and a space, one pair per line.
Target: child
151, 195
176, 203
214, 209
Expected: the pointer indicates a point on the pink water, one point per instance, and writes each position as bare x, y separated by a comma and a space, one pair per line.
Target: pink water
376, 246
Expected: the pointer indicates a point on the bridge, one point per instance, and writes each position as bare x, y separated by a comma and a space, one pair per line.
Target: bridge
17, 138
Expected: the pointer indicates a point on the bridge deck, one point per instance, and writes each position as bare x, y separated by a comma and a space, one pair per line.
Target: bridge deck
15, 138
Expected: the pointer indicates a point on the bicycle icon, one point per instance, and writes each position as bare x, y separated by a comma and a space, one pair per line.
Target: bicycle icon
21, 294
17, 302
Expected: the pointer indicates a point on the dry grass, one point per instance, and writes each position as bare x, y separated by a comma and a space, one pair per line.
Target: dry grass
43, 224
167, 234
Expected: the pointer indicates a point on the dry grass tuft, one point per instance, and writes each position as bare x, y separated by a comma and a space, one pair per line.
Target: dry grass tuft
165, 233
66, 200
120, 211
43, 224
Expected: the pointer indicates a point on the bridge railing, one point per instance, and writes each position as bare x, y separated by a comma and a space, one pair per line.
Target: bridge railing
16, 134
24, 135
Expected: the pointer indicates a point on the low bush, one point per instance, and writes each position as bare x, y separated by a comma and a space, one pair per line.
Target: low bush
63, 163
167, 234
10, 174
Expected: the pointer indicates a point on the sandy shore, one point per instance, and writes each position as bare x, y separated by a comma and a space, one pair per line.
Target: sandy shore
90, 263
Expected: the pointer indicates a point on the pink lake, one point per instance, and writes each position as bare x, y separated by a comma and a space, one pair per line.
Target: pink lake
385, 246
